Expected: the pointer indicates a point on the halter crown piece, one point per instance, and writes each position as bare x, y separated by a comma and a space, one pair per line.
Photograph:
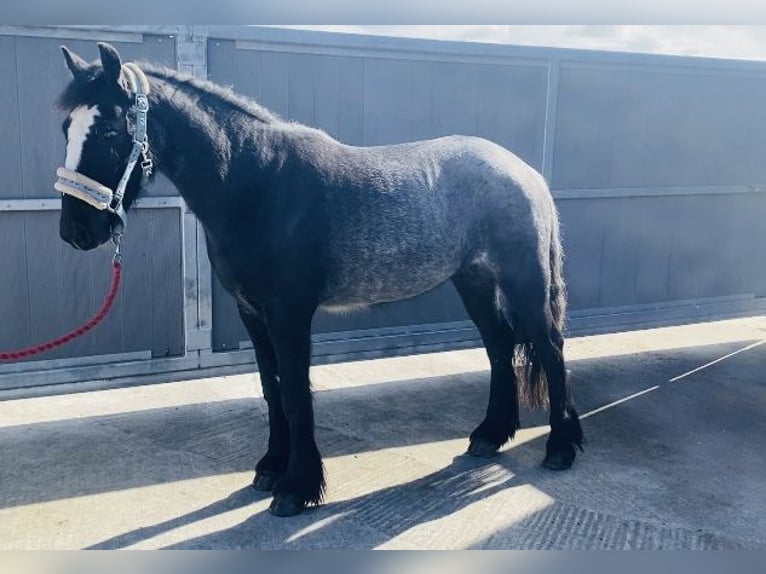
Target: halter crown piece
92, 192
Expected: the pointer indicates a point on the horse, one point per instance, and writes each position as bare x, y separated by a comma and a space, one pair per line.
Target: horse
296, 221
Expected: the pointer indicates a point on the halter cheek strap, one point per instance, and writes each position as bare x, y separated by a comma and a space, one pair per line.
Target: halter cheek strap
100, 196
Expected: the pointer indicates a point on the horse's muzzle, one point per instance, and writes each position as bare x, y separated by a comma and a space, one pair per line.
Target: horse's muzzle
78, 236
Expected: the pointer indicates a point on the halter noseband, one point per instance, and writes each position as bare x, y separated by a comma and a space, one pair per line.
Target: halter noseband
92, 192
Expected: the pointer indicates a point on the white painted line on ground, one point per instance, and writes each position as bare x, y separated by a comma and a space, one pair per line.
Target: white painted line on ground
711, 363
620, 401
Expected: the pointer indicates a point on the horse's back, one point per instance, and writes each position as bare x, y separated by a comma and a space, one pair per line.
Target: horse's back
407, 217
462, 168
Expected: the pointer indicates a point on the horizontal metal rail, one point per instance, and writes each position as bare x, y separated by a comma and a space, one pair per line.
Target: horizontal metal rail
55, 204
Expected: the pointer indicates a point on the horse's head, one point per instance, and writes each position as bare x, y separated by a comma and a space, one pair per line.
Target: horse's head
99, 145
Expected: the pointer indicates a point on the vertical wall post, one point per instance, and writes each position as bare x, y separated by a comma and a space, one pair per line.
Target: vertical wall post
551, 107
191, 56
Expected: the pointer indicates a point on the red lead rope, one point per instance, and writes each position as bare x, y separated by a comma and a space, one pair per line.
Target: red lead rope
110, 297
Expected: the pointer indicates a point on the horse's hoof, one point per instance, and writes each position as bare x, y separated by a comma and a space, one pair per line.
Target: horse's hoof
286, 505
482, 449
560, 460
265, 482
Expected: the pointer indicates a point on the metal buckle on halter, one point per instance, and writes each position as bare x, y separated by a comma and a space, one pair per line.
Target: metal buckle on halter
114, 205
147, 164
142, 103
135, 113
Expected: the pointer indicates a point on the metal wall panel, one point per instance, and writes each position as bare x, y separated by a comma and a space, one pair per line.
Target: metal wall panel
637, 127
365, 100
656, 164
15, 325
616, 127
10, 143
49, 288
638, 250
38, 74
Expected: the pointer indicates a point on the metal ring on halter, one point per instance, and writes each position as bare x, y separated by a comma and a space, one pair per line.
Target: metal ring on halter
142, 103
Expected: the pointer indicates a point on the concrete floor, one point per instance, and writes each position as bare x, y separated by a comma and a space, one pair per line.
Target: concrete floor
674, 459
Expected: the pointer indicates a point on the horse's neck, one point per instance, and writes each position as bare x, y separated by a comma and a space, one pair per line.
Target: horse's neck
199, 148
192, 152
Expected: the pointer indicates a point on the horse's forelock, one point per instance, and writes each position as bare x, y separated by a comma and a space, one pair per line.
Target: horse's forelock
88, 89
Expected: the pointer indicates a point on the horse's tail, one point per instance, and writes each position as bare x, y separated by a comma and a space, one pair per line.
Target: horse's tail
558, 291
532, 382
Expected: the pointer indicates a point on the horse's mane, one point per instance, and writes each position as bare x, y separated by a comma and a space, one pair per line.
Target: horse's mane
81, 92
226, 94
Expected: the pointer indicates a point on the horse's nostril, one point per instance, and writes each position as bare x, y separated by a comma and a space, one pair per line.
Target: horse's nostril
76, 235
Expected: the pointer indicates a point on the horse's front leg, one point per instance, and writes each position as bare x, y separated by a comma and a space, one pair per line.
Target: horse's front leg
274, 463
303, 482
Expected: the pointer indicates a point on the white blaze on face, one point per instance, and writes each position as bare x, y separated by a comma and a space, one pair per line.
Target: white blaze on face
82, 118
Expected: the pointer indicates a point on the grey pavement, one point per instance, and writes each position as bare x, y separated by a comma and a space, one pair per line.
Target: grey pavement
674, 420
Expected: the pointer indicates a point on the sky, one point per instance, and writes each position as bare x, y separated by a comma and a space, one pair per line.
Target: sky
719, 41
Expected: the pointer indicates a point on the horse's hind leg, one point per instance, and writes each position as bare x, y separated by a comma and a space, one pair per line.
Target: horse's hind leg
274, 463
477, 290
566, 432
527, 295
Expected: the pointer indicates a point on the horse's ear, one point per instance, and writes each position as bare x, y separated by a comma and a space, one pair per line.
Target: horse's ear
110, 60
75, 63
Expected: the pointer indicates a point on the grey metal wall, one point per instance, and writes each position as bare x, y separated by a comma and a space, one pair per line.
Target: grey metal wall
48, 288
655, 163
650, 159
639, 126
369, 100
659, 174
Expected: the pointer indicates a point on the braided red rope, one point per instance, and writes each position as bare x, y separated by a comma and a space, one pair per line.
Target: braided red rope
105, 307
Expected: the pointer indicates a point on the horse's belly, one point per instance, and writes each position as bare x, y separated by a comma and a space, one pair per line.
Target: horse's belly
361, 285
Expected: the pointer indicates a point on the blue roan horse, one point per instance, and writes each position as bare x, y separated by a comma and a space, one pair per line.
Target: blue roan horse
297, 221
